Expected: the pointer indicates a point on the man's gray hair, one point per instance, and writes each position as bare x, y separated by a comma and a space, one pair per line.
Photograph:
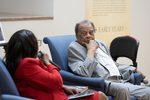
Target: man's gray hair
83, 22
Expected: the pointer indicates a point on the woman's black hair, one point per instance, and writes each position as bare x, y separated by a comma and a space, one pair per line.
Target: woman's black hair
22, 43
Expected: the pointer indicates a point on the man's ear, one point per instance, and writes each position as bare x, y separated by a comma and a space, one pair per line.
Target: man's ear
76, 36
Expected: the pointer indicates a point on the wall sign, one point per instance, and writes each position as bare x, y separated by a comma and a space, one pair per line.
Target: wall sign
110, 17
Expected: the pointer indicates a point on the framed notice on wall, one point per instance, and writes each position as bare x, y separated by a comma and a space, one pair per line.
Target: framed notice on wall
110, 17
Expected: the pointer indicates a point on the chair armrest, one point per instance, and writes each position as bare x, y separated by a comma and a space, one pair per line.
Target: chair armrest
88, 81
137, 78
13, 97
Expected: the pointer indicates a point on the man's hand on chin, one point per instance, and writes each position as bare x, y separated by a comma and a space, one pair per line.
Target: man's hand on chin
91, 47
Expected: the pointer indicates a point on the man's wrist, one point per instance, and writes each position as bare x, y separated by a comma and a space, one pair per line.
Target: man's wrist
90, 54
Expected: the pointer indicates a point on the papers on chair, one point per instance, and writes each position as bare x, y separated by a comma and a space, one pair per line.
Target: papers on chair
80, 95
81, 92
81, 89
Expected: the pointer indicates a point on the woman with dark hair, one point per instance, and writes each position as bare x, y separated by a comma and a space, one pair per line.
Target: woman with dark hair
34, 78
22, 44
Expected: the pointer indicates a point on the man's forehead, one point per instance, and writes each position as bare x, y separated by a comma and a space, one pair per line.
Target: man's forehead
85, 26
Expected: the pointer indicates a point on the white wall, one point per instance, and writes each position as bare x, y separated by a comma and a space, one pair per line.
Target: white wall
68, 12
140, 28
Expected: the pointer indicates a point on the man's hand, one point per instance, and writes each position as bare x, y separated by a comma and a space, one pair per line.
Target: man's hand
91, 47
138, 71
70, 90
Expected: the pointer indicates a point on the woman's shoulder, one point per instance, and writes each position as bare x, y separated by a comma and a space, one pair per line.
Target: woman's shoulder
28, 60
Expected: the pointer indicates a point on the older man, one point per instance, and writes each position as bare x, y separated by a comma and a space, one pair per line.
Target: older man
91, 58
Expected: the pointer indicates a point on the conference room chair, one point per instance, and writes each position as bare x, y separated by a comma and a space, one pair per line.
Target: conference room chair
58, 46
127, 47
8, 88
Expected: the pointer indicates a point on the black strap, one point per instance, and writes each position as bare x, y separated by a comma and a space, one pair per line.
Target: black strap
55, 64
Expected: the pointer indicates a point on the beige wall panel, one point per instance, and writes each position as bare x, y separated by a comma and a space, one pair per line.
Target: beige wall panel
111, 18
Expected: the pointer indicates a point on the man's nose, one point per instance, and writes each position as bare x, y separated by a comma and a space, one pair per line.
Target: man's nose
88, 34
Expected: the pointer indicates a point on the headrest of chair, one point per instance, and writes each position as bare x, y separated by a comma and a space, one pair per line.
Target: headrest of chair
58, 46
125, 46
